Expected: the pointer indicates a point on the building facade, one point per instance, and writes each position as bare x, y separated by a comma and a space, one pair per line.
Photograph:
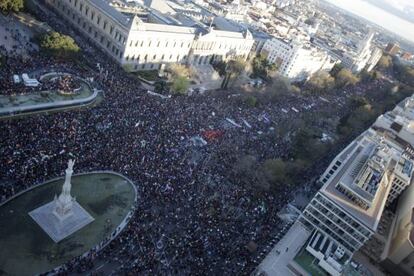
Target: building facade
392, 48
296, 61
368, 175
152, 40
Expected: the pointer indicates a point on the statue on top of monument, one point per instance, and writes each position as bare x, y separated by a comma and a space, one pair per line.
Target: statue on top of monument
64, 202
71, 162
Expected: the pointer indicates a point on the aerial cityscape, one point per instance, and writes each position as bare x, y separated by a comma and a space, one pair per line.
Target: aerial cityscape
207, 137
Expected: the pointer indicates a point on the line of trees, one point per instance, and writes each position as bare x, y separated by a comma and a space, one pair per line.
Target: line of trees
7, 6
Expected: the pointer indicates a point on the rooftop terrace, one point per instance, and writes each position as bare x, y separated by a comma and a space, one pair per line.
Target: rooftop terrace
346, 175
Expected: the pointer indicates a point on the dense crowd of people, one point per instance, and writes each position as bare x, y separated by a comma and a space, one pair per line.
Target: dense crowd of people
192, 216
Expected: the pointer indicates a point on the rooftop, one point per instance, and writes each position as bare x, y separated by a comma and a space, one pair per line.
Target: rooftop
362, 177
112, 12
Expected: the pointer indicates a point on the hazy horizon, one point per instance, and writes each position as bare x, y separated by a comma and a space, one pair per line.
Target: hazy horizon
378, 16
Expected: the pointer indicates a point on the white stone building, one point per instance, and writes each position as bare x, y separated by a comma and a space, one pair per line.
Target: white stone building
150, 40
297, 61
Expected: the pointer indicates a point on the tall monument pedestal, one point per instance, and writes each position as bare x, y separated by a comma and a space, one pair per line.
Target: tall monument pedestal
63, 216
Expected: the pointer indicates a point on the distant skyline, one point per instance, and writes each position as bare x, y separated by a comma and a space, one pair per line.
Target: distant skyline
381, 17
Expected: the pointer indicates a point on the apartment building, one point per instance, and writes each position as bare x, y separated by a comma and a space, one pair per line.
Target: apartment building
296, 60
149, 39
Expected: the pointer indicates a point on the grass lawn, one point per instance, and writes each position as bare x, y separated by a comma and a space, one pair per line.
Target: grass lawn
308, 263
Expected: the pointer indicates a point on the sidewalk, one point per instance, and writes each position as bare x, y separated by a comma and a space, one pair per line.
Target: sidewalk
277, 261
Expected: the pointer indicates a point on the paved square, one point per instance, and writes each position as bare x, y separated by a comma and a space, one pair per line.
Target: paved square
56, 229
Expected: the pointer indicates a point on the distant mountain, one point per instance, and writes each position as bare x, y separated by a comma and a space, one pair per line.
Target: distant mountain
406, 13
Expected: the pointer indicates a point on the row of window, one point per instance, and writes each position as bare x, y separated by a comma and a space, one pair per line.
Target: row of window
334, 218
84, 10
331, 171
158, 44
335, 229
313, 220
154, 57
341, 214
89, 29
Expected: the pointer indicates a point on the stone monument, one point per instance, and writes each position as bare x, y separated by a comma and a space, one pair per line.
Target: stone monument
63, 216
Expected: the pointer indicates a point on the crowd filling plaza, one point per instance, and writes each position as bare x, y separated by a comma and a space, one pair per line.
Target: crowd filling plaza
194, 215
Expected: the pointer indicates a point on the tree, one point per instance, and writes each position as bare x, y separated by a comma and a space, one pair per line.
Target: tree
234, 69
279, 86
321, 81
262, 67
59, 45
335, 70
180, 85
177, 70
220, 67
7, 6
251, 101
385, 62
345, 77
160, 86
404, 73
275, 170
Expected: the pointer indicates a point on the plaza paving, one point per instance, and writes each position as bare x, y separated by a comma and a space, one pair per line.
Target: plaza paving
25, 249
277, 261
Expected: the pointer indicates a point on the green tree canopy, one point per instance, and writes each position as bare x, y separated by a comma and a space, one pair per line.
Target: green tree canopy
11, 5
234, 69
404, 73
321, 81
262, 67
345, 77
385, 62
180, 85
59, 45
178, 70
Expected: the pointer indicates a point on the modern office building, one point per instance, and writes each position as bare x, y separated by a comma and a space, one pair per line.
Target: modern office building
147, 39
360, 182
296, 60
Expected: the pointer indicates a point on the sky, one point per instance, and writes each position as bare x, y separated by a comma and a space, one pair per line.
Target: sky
381, 17
400, 4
